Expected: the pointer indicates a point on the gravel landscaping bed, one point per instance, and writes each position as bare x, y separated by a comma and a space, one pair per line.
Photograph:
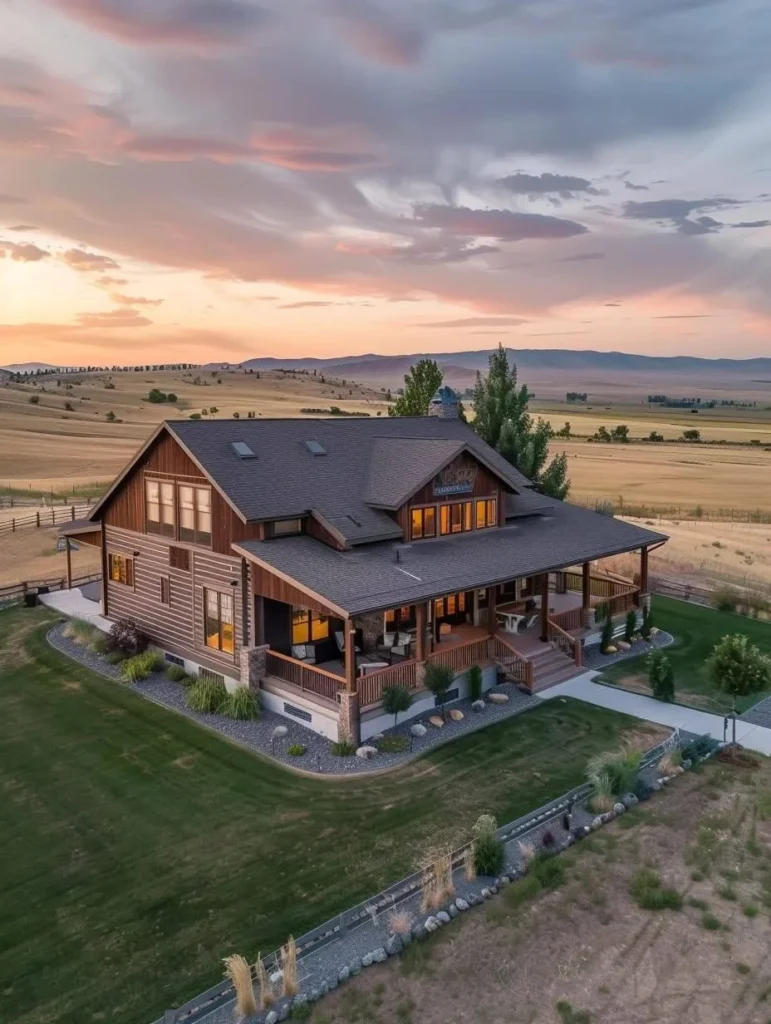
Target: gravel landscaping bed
760, 714
318, 757
595, 660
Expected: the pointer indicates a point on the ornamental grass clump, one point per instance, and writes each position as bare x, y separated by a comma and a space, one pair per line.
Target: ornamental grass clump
80, 631
438, 884
649, 894
206, 695
140, 666
267, 995
400, 923
488, 849
240, 704
469, 863
176, 673
289, 968
614, 772
238, 972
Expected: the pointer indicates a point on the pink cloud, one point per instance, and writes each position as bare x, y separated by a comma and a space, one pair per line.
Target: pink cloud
122, 317
170, 148
133, 300
503, 224
23, 252
85, 261
191, 23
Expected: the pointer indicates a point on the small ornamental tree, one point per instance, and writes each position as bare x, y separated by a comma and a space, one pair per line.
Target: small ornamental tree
438, 680
395, 700
475, 682
607, 633
738, 668
661, 676
647, 623
630, 626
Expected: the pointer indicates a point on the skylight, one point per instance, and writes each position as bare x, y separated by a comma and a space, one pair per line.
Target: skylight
242, 450
315, 448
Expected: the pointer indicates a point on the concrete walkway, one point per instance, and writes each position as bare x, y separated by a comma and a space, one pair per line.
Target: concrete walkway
75, 605
583, 687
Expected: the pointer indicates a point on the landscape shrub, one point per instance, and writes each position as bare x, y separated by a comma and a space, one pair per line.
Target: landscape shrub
176, 673
522, 891
738, 668
100, 643
649, 894
126, 636
614, 771
438, 679
607, 634
475, 682
395, 700
630, 626
140, 666
206, 695
488, 849
647, 623
661, 676
342, 748
725, 598
240, 704
80, 631
296, 749
698, 748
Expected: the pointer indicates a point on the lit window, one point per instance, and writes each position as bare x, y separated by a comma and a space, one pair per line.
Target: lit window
492, 511
444, 519
308, 626
429, 522
159, 505
286, 527
417, 523
218, 621
121, 569
486, 513
195, 514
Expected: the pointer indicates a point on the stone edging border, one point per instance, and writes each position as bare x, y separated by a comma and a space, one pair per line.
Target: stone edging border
212, 1001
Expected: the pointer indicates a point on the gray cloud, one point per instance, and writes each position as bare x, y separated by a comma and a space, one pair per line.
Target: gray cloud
752, 224
566, 186
674, 209
22, 252
682, 316
636, 188
583, 257
32, 227
502, 224
477, 321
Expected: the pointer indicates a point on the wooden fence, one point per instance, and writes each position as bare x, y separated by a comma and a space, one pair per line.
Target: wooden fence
653, 510
307, 677
45, 517
17, 591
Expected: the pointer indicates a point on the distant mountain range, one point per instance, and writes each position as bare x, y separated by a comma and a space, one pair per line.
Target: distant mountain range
460, 367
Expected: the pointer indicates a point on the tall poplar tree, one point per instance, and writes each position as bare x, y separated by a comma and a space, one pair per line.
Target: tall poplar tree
501, 418
420, 385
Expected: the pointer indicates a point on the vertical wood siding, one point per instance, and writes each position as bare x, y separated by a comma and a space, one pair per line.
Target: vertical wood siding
486, 485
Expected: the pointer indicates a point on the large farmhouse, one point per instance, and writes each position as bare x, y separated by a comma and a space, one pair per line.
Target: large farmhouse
322, 560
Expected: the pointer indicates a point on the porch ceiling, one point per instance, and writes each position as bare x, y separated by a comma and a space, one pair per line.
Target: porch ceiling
386, 575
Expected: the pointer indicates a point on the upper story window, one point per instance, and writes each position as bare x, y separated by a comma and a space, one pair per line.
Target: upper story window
453, 517
195, 514
159, 506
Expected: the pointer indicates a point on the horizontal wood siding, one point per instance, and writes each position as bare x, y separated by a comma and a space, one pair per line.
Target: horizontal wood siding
166, 460
177, 626
266, 584
486, 485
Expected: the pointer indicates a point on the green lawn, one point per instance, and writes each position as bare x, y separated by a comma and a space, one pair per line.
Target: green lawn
696, 631
137, 849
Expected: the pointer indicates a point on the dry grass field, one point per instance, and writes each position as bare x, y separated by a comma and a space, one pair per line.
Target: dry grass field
585, 952
65, 441
33, 555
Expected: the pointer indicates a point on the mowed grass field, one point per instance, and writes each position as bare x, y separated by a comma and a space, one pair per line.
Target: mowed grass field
137, 849
46, 445
696, 631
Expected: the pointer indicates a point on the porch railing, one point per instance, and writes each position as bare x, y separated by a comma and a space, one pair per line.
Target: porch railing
621, 602
573, 618
565, 642
515, 664
461, 656
601, 585
371, 685
307, 677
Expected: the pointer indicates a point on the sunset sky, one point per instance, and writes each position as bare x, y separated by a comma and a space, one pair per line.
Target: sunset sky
218, 179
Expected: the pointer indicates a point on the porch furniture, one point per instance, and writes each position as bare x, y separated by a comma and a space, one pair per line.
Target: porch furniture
531, 622
510, 621
395, 646
305, 653
444, 629
372, 666
340, 641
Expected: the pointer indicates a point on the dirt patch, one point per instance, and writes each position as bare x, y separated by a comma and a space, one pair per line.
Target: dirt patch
186, 761
71, 686
588, 947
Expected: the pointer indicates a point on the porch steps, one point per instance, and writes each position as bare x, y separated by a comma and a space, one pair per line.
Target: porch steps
551, 666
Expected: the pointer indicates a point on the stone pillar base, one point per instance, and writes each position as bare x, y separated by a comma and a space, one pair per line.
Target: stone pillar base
253, 665
348, 721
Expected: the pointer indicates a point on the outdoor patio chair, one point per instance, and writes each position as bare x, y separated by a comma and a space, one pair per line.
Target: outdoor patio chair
529, 623
340, 641
304, 652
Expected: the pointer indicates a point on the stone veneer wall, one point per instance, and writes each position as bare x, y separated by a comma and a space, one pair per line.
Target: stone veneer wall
371, 627
254, 661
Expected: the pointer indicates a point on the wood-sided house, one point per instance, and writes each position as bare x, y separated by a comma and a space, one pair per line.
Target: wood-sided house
324, 559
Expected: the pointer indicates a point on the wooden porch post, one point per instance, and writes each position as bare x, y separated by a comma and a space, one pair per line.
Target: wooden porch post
545, 607
420, 639
642, 593
68, 549
492, 624
586, 595
350, 656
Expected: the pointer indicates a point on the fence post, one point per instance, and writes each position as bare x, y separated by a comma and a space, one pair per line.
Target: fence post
53, 516
73, 513
37, 515
13, 525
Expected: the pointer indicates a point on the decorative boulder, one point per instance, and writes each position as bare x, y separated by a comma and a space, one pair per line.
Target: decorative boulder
418, 729
356, 966
419, 932
456, 715
597, 823
654, 630
366, 752
393, 945
437, 721
452, 910
343, 975
280, 732
498, 698
612, 649
377, 737
284, 1011
623, 645
331, 984
431, 924
629, 800
368, 960
478, 706
618, 808
380, 956
461, 904
443, 917
272, 1018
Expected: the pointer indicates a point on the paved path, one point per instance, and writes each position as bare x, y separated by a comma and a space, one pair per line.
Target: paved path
583, 687
74, 604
